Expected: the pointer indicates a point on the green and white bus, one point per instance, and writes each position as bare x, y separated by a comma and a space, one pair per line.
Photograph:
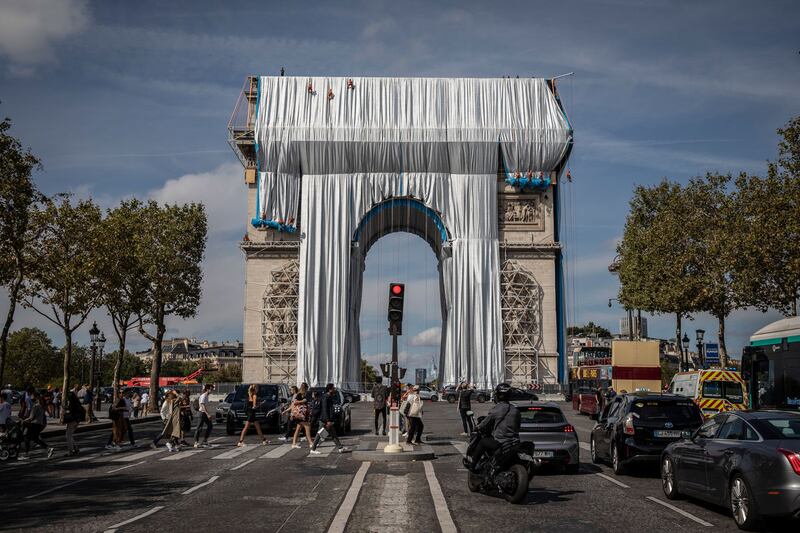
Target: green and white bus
771, 365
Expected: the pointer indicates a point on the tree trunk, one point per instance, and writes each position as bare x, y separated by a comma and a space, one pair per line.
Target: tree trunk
723, 351
678, 340
122, 333
155, 369
67, 362
12, 306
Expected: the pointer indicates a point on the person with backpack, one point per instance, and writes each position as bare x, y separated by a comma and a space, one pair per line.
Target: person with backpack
301, 415
379, 403
328, 418
74, 415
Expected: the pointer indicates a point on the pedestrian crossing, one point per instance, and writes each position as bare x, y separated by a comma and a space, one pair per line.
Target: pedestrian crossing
137, 456
278, 452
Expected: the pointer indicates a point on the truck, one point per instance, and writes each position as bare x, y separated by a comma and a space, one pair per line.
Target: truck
714, 391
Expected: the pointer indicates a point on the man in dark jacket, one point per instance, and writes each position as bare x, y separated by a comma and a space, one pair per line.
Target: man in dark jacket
500, 427
464, 405
328, 419
379, 397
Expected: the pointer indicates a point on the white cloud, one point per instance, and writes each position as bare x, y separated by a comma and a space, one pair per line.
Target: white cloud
29, 30
429, 337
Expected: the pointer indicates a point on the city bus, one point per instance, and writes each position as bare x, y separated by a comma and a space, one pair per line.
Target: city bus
591, 372
771, 365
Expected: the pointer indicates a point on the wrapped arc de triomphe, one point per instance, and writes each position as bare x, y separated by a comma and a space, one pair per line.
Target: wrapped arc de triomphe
471, 165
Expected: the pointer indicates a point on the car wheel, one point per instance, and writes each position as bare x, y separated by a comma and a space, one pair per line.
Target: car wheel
451, 399
593, 451
668, 479
616, 462
434, 398
743, 504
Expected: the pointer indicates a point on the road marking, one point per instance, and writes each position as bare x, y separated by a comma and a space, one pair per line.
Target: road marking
460, 446
585, 446
688, 515
349, 502
113, 528
137, 456
48, 491
236, 452
215, 439
242, 465
200, 486
278, 452
181, 455
440, 504
612, 480
82, 458
124, 467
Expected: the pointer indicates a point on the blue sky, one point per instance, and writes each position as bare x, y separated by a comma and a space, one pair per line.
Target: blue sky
122, 99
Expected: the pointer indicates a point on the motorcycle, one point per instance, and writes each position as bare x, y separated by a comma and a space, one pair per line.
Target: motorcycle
508, 470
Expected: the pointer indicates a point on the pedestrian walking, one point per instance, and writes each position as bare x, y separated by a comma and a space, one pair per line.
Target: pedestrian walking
126, 428
403, 419
136, 403
380, 397
57, 398
315, 411
26, 402
252, 405
5, 411
88, 396
414, 413
145, 403
328, 419
301, 414
116, 413
171, 415
187, 416
464, 405
292, 425
74, 415
204, 418
35, 423
49, 407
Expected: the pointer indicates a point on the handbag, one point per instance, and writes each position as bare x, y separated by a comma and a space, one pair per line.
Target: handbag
299, 412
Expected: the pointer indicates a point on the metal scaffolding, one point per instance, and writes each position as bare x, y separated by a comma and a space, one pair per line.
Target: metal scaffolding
279, 324
521, 306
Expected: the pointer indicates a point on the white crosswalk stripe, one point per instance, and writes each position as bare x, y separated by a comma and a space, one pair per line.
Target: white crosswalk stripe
177, 456
138, 456
278, 452
236, 452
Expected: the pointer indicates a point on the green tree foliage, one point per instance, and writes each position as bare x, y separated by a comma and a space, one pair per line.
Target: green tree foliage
588, 330
368, 373
32, 359
19, 199
667, 372
169, 249
130, 366
64, 288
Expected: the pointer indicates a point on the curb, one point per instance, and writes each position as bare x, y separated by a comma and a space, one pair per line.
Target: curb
83, 428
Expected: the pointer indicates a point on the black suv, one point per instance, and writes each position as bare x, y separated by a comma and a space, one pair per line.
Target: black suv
637, 427
272, 399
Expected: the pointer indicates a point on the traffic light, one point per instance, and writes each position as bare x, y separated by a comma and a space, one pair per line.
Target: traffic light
402, 373
397, 292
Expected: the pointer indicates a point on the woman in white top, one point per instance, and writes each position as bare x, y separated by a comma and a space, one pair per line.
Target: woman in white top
414, 403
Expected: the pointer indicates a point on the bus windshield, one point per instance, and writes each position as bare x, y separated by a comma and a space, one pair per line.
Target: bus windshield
729, 390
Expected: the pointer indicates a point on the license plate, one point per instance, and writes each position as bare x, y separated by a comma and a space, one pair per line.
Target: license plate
525, 457
542, 453
667, 433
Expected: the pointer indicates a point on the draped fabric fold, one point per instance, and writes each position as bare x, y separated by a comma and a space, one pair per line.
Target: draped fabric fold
328, 154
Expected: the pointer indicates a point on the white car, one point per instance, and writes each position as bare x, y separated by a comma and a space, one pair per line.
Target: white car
427, 393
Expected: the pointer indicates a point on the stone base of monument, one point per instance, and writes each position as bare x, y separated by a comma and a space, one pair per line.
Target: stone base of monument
373, 451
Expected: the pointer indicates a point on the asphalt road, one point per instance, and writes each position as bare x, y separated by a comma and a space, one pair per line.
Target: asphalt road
275, 488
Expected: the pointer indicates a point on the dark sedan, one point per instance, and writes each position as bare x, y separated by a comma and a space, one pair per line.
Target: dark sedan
748, 461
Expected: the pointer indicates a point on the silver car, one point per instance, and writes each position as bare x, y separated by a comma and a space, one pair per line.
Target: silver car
555, 441
222, 408
427, 393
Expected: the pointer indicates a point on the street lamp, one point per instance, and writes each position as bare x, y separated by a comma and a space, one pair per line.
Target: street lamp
101, 343
685, 354
700, 333
94, 336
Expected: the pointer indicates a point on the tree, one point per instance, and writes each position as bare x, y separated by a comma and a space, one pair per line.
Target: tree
169, 250
589, 330
64, 287
18, 200
130, 366
667, 372
32, 358
368, 373
121, 280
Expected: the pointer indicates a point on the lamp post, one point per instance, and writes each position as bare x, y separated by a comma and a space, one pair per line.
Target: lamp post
101, 343
94, 336
685, 353
700, 333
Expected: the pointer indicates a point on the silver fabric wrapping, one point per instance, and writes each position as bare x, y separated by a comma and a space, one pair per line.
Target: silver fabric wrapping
432, 139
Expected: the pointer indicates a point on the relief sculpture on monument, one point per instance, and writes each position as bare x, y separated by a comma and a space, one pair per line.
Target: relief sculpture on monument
521, 210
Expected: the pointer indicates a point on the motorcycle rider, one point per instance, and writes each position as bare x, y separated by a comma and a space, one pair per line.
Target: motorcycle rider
500, 428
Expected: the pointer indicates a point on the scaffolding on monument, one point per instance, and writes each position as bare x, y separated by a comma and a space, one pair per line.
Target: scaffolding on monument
279, 324
521, 307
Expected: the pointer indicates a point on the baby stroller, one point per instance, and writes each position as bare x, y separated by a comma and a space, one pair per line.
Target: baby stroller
10, 440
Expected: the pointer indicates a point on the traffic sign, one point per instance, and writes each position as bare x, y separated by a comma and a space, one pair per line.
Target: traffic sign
712, 353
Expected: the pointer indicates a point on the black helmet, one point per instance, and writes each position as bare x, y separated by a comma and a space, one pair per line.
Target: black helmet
501, 392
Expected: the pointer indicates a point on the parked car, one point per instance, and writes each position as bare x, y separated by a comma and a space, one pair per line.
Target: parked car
427, 393
637, 427
106, 394
515, 394
221, 412
341, 406
352, 396
555, 441
450, 394
748, 461
272, 400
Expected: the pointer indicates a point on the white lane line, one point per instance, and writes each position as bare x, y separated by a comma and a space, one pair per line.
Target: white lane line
113, 528
200, 486
439, 503
137, 456
242, 465
215, 439
612, 480
236, 452
124, 467
48, 491
181, 455
278, 452
688, 515
460, 446
349, 502
585, 446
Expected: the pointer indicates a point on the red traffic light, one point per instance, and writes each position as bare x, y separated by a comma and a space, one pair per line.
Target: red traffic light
397, 290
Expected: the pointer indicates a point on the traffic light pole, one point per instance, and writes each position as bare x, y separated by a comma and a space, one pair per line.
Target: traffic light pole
394, 409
